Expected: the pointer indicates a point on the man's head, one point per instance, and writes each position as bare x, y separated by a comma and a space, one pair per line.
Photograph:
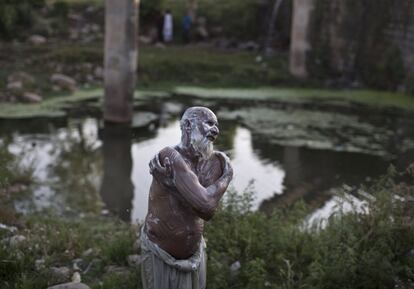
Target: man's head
199, 129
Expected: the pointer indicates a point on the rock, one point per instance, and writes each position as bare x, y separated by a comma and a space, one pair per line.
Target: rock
78, 264
76, 277
63, 81
87, 252
89, 78
40, 264
32, 97
159, 45
15, 85
95, 28
98, 72
249, 45
235, 267
16, 240
60, 274
115, 270
137, 245
21, 76
71, 285
134, 260
143, 119
145, 39
37, 39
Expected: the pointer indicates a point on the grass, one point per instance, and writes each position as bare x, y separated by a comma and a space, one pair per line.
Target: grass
369, 248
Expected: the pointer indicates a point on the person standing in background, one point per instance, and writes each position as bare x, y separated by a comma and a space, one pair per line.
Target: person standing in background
168, 26
187, 22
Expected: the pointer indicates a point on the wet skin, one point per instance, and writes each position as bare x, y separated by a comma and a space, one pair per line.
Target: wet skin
185, 191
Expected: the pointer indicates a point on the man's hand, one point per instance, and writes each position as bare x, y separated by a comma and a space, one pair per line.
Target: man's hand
163, 174
226, 166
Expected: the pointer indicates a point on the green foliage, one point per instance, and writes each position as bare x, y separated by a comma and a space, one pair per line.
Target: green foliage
354, 250
237, 18
16, 14
369, 54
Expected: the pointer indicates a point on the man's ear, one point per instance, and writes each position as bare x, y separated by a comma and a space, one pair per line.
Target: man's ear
187, 125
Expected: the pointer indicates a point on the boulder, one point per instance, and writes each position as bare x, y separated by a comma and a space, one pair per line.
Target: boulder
63, 81
70, 285
15, 85
37, 39
59, 274
99, 72
21, 76
16, 240
32, 97
40, 264
134, 260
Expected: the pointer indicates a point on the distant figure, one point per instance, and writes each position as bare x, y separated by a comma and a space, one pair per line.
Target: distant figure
168, 26
187, 22
159, 20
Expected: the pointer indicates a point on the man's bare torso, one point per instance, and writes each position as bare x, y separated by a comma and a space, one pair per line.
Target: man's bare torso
171, 222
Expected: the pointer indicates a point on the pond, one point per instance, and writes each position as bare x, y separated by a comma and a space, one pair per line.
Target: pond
283, 154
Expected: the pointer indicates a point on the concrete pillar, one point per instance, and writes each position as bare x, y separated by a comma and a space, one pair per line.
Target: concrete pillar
121, 57
300, 40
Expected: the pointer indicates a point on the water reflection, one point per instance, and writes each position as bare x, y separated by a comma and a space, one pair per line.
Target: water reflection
77, 169
117, 189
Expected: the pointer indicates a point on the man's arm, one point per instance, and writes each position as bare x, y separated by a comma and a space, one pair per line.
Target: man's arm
204, 201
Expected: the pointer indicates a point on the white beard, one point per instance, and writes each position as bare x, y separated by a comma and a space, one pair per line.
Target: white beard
201, 144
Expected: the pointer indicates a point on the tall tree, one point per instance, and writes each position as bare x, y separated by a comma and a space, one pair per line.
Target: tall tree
121, 57
192, 9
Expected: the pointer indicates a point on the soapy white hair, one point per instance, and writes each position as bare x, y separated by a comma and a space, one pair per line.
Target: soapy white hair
200, 143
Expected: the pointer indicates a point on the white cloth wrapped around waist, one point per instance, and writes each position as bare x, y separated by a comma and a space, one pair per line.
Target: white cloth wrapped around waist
186, 265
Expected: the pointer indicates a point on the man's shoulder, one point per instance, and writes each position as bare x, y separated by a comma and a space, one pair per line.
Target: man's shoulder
171, 153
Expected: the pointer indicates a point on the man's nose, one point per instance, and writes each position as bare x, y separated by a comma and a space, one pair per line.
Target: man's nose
215, 131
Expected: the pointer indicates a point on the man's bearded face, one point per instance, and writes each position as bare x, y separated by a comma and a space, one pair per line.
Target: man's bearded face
201, 143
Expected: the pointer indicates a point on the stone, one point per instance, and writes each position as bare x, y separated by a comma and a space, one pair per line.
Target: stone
235, 267
78, 264
22, 77
87, 252
70, 285
15, 86
17, 240
137, 245
59, 274
37, 39
40, 264
98, 72
159, 45
134, 260
63, 81
145, 39
249, 45
32, 97
76, 277
116, 270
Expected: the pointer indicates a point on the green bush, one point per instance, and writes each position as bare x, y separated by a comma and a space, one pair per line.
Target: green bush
16, 14
354, 250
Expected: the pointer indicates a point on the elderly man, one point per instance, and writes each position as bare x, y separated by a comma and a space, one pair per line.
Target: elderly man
188, 183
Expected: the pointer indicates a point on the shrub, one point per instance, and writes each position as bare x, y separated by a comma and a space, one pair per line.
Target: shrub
16, 14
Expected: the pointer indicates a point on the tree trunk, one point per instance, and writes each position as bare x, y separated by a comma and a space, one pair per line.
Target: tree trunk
192, 9
121, 57
271, 29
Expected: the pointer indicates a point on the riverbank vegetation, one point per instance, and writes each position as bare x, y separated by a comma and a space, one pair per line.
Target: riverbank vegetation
370, 246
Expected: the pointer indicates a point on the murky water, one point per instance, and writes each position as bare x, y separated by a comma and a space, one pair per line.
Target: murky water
80, 166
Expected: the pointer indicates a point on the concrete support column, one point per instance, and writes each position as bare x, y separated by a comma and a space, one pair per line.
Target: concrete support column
300, 42
121, 57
